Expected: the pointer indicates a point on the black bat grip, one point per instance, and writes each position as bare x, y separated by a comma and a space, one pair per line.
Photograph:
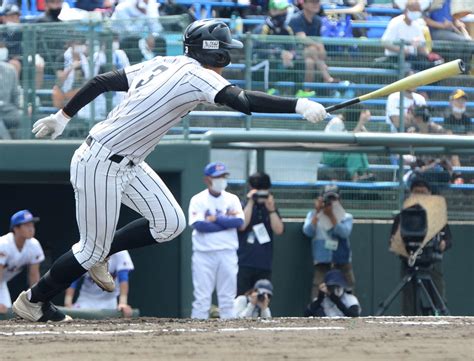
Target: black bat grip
342, 105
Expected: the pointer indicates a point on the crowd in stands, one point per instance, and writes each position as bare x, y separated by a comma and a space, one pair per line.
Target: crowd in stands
140, 35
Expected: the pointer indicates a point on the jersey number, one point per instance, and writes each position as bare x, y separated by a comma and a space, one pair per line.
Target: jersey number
157, 71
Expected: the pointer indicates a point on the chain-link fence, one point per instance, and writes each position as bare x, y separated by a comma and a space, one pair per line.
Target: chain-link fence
52, 61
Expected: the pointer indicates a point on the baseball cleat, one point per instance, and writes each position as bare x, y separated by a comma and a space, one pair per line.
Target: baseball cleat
101, 276
38, 312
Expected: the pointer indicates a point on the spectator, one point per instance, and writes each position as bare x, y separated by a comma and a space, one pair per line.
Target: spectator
215, 215
275, 24
456, 119
18, 249
307, 23
12, 37
444, 27
329, 226
93, 297
356, 164
9, 103
137, 16
407, 28
262, 222
119, 61
72, 76
91, 5
333, 299
256, 301
51, 13
442, 241
392, 107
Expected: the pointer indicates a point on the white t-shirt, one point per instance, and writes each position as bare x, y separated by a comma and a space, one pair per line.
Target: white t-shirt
330, 308
205, 204
244, 309
393, 106
92, 297
398, 29
15, 260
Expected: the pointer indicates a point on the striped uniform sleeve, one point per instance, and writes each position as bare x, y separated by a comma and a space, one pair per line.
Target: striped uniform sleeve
208, 83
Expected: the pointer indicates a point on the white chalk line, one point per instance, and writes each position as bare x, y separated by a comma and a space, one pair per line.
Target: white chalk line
181, 330
412, 323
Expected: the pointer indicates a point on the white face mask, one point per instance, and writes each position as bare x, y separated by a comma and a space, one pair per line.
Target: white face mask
414, 15
3, 54
458, 110
218, 184
338, 291
115, 45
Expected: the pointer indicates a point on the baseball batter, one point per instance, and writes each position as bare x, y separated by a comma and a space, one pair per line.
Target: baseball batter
93, 297
19, 249
108, 169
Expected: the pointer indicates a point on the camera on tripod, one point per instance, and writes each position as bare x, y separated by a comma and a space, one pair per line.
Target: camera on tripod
413, 230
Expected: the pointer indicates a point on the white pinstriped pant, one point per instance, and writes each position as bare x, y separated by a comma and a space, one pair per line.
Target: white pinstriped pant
101, 185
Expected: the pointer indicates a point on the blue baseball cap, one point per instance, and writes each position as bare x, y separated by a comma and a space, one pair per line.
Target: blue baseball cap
264, 286
22, 217
215, 169
335, 278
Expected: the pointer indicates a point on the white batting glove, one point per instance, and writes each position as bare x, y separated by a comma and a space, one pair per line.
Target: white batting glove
311, 111
53, 125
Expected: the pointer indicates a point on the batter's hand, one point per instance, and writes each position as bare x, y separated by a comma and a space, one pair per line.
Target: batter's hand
311, 111
52, 125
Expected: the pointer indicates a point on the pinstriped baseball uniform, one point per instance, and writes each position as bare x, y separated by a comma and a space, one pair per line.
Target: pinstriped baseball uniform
161, 92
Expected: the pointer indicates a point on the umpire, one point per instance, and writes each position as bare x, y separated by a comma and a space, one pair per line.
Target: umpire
262, 222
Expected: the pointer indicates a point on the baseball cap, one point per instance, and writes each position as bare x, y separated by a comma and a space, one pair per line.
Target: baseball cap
215, 169
335, 278
278, 4
264, 286
22, 217
330, 190
457, 94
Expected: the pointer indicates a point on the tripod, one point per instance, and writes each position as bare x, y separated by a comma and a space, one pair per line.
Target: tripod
423, 283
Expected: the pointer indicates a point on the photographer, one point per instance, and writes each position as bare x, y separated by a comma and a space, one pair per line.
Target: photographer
254, 303
262, 222
432, 257
333, 300
329, 226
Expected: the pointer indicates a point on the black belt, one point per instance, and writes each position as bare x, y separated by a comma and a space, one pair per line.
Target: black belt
114, 157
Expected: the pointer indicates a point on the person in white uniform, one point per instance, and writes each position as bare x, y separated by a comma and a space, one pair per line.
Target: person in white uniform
93, 297
109, 168
215, 215
19, 249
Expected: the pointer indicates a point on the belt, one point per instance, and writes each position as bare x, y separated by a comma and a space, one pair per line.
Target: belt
114, 157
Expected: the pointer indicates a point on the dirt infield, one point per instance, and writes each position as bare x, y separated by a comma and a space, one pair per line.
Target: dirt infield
383, 338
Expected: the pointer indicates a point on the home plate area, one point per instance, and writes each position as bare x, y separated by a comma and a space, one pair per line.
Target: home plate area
367, 338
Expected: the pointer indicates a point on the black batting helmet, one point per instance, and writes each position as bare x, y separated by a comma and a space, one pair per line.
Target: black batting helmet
209, 41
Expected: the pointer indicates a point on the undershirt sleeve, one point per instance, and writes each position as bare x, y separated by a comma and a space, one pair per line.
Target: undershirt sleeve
115, 80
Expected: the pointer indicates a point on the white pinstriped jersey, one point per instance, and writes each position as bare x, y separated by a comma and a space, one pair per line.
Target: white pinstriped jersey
161, 92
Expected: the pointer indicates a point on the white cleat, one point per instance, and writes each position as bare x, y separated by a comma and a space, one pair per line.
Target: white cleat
38, 312
101, 276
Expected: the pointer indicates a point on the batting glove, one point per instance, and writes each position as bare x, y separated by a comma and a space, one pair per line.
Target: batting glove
53, 125
311, 111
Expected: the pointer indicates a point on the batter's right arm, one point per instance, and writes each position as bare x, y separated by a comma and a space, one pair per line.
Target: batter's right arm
54, 124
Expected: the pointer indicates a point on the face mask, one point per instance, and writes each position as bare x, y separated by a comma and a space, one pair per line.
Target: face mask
3, 54
458, 110
338, 291
54, 13
218, 185
115, 45
413, 15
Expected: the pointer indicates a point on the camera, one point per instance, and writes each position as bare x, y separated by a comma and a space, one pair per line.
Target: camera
413, 229
423, 112
261, 296
260, 194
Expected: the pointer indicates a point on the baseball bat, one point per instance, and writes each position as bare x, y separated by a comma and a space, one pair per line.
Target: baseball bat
424, 77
